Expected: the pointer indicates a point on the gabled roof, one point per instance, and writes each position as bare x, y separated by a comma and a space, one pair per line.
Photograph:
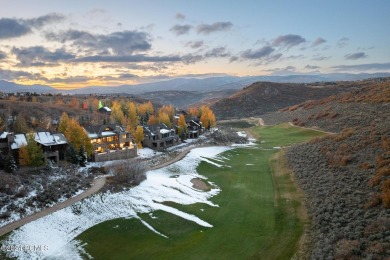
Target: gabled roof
48, 139
97, 131
3, 135
19, 141
152, 129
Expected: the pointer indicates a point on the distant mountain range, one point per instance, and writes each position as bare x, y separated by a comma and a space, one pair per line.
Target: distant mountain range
190, 84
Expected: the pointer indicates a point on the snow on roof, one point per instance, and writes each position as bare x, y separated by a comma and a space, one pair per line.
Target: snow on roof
47, 139
165, 131
60, 138
195, 122
19, 141
3, 135
93, 136
108, 133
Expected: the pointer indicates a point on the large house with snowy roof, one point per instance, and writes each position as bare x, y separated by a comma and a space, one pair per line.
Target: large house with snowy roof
159, 136
194, 127
111, 142
53, 145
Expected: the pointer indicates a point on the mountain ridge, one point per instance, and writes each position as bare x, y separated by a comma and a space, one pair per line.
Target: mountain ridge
208, 84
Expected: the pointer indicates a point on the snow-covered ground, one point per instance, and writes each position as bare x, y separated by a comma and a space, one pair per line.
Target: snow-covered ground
56, 233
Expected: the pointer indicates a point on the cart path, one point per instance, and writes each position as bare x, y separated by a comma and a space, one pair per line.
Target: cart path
97, 184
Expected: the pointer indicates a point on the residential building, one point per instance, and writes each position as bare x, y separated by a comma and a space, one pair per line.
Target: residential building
159, 136
194, 127
53, 145
111, 142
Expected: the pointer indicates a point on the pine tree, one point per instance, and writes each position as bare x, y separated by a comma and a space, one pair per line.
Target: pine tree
34, 151
10, 164
82, 158
71, 155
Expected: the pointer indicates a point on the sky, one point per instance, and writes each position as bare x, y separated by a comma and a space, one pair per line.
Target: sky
72, 44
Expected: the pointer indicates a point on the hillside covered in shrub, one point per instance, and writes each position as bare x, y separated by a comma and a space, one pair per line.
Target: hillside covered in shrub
262, 97
346, 175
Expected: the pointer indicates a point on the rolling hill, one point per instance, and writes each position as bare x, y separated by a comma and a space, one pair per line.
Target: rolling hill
345, 176
263, 97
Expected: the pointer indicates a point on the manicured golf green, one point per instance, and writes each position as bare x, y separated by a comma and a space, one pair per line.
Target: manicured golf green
254, 219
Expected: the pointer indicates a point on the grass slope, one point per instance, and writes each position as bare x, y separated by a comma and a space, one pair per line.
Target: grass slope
257, 215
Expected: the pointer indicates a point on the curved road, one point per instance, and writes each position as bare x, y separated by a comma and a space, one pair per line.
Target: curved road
97, 184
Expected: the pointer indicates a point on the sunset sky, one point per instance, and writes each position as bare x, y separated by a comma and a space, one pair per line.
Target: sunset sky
71, 44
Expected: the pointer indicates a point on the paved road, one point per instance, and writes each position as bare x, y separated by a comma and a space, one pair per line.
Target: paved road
97, 184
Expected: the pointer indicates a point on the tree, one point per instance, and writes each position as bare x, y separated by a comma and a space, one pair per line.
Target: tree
145, 110
21, 125
182, 127
164, 118
71, 155
75, 134
24, 158
152, 120
10, 164
64, 122
132, 117
169, 111
207, 118
194, 112
139, 136
117, 115
82, 158
35, 153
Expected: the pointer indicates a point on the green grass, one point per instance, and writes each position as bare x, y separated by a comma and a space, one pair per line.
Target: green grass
254, 219
283, 135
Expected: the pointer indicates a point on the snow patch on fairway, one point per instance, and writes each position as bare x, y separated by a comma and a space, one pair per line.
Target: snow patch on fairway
58, 231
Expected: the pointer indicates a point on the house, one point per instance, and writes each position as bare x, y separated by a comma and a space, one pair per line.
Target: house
53, 145
195, 128
14, 143
4, 142
111, 142
105, 110
159, 136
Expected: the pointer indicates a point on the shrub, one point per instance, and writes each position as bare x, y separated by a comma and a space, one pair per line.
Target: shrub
128, 173
347, 249
385, 188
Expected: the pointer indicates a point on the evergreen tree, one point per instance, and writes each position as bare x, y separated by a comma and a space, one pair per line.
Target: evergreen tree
71, 155
10, 164
82, 158
34, 151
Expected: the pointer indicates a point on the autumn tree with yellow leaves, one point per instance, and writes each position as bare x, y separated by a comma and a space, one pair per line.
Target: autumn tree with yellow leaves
132, 117
75, 134
139, 136
207, 117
